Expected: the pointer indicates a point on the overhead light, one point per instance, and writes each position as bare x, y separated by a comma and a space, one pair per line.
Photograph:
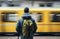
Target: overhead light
10, 0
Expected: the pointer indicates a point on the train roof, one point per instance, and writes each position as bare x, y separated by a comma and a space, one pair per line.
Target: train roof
18, 8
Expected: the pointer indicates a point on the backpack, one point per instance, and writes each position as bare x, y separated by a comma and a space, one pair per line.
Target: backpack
27, 29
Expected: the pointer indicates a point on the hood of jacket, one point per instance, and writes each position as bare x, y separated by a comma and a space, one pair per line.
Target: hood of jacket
26, 16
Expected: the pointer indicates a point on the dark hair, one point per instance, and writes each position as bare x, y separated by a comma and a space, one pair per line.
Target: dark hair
26, 10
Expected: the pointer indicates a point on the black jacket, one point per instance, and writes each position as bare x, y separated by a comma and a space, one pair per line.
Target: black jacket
20, 23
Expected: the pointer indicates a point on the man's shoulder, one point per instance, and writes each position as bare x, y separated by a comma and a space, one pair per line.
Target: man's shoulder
33, 20
20, 20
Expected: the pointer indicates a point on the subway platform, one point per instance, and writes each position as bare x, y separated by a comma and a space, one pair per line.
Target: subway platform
35, 37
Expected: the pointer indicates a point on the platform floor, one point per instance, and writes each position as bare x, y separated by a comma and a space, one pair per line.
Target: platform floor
35, 37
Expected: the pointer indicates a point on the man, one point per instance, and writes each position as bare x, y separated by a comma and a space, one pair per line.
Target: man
19, 27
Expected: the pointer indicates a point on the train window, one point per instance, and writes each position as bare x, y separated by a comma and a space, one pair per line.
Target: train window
11, 5
45, 4
55, 17
0, 5
42, 5
37, 16
9, 17
49, 4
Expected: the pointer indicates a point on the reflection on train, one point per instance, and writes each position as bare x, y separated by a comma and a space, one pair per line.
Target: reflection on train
48, 21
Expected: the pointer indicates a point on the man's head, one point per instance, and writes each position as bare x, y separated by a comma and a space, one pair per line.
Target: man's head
26, 10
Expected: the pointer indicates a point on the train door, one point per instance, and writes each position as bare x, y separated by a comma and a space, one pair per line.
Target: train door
55, 22
8, 19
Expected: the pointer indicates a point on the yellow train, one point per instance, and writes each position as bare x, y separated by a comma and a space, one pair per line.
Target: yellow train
48, 21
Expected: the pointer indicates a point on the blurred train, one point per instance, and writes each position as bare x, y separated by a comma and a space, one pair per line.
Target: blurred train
48, 21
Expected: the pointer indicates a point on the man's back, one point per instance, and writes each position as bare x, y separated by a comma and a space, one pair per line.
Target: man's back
19, 27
